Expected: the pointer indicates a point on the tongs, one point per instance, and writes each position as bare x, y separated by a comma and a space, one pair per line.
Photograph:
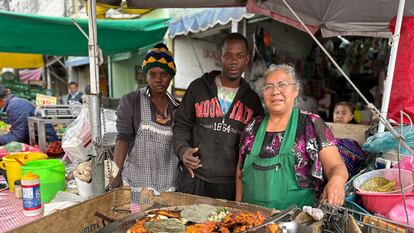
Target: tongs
274, 218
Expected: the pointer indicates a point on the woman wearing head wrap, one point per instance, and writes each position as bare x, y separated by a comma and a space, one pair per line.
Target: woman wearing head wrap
143, 148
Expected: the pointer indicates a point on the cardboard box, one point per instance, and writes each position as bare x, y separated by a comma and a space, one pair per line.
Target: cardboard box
82, 217
351, 131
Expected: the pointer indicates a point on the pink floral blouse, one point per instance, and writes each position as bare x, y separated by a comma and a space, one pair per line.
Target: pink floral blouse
312, 135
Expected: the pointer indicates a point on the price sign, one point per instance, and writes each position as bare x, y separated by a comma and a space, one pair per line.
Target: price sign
45, 100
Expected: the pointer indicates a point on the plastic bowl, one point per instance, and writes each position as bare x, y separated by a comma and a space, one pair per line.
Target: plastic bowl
390, 174
381, 203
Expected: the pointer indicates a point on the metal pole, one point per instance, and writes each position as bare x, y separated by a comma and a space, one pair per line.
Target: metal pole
391, 65
234, 26
94, 104
110, 78
48, 79
71, 75
244, 27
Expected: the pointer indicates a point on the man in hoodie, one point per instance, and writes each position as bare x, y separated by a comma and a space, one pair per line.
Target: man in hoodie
209, 122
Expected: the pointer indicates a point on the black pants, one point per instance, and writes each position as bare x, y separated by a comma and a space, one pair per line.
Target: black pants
197, 186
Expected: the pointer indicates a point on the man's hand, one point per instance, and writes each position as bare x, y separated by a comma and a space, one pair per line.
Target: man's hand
116, 182
190, 161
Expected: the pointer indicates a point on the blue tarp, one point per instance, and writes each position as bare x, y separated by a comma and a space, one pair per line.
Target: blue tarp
203, 20
76, 61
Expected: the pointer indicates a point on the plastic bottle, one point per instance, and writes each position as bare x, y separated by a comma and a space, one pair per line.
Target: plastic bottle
32, 204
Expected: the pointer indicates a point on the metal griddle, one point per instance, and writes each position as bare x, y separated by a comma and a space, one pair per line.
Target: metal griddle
122, 226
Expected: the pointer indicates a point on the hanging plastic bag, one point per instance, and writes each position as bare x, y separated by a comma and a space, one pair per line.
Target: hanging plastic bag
397, 213
78, 137
77, 141
407, 163
384, 142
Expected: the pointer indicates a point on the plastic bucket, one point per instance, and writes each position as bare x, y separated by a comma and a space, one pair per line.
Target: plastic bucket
52, 176
13, 168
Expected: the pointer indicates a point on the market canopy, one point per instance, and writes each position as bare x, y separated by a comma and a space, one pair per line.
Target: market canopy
174, 3
335, 17
58, 36
206, 19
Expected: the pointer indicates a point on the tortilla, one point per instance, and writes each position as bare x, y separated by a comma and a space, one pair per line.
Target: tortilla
165, 225
198, 213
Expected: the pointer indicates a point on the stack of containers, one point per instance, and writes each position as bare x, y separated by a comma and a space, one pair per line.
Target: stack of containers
52, 176
12, 164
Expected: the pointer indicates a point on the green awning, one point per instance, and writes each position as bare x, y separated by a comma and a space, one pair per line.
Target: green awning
20, 33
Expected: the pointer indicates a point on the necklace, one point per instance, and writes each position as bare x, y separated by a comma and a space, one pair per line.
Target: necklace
163, 118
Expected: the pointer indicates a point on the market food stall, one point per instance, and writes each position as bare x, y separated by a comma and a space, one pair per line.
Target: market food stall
106, 213
46, 223
59, 37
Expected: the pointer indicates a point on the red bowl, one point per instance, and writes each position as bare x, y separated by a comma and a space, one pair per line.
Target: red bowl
381, 203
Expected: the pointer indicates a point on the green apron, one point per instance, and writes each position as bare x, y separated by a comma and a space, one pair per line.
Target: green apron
271, 182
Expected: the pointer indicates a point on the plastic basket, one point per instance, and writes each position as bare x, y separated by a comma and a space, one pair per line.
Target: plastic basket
351, 203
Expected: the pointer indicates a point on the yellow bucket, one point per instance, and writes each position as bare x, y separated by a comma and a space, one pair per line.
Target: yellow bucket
12, 167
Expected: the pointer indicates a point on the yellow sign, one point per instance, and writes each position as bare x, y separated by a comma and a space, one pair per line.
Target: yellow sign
21, 61
45, 100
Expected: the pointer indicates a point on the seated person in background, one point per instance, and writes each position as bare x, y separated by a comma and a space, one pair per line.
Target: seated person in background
352, 154
343, 112
17, 111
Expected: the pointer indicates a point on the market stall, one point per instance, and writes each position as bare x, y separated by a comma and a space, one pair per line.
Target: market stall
105, 214
352, 28
94, 60
59, 36
94, 55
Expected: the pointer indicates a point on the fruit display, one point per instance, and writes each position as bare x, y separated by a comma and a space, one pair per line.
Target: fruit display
25, 91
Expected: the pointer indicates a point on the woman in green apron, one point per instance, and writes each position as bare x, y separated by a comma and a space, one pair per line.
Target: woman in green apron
287, 155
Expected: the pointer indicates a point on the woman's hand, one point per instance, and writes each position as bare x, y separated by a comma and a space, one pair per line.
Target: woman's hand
334, 191
337, 174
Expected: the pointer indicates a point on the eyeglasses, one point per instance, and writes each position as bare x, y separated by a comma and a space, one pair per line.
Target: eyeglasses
281, 86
